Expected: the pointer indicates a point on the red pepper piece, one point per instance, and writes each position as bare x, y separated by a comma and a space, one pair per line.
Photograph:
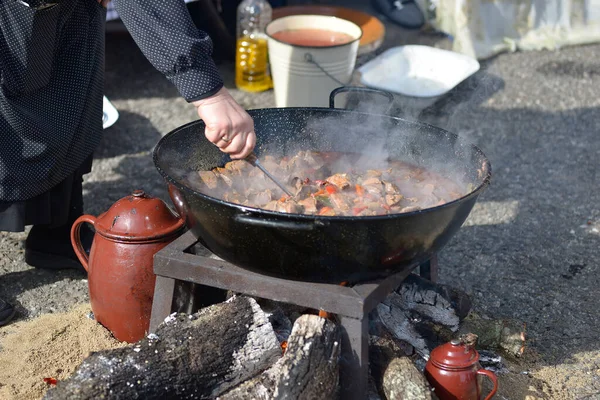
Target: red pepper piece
360, 190
326, 211
50, 381
330, 189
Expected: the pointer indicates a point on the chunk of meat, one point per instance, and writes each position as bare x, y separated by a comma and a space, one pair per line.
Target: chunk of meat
222, 171
309, 204
313, 160
393, 199
303, 192
289, 206
372, 181
228, 181
340, 202
261, 198
340, 180
376, 190
391, 188
301, 188
427, 189
238, 166
271, 206
233, 197
209, 179
374, 173
410, 209
270, 164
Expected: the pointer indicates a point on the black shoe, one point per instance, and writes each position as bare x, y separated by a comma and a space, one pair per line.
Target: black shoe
7, 312
52, 249
405, 13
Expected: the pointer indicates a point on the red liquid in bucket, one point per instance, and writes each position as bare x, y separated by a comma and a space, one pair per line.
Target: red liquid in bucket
312, 37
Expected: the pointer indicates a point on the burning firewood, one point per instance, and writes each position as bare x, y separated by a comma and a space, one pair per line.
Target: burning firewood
308, 370
197, 356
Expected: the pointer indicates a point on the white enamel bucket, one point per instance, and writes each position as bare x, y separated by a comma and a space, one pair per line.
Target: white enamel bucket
304, 76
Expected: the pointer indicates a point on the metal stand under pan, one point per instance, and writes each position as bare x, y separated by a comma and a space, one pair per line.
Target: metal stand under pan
187, 260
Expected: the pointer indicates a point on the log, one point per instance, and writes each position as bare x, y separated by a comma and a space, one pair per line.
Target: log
309, 368
383, 348
422, 313
200, 356
403, 381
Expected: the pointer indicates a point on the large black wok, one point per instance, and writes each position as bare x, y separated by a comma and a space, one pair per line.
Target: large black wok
316, 248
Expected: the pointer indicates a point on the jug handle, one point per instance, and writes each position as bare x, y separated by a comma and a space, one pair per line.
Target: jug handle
494, 380
76, 239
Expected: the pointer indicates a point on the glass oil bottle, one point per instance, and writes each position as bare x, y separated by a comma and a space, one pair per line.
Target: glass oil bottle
252, 73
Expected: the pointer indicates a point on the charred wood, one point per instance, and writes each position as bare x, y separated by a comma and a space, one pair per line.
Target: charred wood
197, 356
422, 313
308, 370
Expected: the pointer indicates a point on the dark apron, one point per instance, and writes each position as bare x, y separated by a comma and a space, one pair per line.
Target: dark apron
51, 88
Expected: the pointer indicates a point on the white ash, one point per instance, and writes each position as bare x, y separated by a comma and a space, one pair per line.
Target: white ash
170, 318
259, 338
492, 361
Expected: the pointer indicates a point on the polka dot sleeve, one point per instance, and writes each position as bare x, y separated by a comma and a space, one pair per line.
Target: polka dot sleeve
166, 34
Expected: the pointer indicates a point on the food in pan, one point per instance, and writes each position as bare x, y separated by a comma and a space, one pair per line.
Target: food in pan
330, 184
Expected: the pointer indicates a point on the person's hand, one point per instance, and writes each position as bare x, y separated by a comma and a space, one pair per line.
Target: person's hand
104, 3
228, 125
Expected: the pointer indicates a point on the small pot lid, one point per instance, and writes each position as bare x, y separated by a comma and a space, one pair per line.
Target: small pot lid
138, 217
454, 354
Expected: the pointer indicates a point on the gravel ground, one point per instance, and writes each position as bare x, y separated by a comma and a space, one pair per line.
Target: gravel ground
530, 248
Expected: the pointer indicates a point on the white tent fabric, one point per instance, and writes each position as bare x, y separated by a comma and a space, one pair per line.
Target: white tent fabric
483, 28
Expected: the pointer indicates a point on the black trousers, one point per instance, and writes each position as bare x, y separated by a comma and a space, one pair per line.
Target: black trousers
58, 206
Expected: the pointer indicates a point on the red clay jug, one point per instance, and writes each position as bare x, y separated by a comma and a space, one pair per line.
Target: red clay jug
120, 265
454, 372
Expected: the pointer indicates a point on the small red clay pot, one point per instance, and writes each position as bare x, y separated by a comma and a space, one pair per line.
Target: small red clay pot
453, 370
120, 266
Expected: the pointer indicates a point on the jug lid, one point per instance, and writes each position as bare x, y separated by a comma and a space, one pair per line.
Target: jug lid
138, 217
454, 354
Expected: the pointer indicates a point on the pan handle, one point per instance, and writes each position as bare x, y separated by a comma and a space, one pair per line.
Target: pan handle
249, 219
343, 89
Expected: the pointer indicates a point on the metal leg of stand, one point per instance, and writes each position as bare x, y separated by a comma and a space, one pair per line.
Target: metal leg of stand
163, 300
354, 363
429, 269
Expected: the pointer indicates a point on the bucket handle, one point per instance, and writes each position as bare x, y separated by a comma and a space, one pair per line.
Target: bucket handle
310, 59
335, 92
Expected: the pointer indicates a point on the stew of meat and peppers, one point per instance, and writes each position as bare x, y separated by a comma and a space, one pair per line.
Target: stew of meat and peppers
320, 188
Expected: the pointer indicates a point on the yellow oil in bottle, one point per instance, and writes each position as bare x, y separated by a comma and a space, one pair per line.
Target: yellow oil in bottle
252, 72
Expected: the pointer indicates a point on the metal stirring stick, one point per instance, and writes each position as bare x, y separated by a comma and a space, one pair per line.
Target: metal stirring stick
253, 159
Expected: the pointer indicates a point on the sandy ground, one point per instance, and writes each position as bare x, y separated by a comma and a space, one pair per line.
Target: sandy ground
530, 250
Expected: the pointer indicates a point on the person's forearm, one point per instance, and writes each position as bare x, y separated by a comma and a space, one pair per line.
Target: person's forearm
166, 34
